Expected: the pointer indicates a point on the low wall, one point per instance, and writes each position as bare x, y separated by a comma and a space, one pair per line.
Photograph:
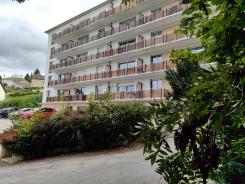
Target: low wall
4, 153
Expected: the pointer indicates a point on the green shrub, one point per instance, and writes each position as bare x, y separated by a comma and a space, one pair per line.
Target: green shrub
23, 93
103, 125
22, 101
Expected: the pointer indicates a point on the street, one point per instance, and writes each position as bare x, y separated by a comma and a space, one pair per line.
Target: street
111, 167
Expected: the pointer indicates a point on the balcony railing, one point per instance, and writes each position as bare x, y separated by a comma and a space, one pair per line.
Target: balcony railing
134, 95
142, 20
115, 73
134, 46
93, 20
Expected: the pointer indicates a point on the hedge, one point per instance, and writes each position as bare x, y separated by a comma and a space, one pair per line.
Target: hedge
31, 101
103, 125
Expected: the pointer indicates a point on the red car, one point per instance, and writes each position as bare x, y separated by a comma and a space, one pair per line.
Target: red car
44, 111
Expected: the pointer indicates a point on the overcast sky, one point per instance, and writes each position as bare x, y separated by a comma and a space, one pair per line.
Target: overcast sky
23, 41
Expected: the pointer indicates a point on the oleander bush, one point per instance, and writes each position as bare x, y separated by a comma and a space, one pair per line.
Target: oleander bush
103, 125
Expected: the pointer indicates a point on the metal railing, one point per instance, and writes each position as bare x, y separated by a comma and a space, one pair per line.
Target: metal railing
142, 20
139, 94
111, 52
115, 73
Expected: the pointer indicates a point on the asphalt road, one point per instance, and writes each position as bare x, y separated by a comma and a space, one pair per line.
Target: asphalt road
114, 167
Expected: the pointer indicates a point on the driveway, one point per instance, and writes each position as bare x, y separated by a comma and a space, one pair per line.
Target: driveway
4, 124
113, 167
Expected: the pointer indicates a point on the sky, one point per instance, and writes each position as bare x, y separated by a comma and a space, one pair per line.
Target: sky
23, 45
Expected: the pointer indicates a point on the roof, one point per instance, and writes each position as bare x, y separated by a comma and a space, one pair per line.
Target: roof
1, 84
78, 16
38, 77
16, 79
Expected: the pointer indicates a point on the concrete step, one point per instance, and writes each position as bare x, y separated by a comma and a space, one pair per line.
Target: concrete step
13, 159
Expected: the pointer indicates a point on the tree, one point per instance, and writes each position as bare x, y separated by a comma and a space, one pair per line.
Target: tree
1, 79
19, 1
36, 72
28, 77
206, 112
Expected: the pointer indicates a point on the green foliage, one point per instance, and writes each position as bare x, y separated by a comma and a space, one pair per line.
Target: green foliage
19, 1
36, 72
232, 168
28, 77
222, 33
20, 93
103, 125
187, 65
32, 101
206, 111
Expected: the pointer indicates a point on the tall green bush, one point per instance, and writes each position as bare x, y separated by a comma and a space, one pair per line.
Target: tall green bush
103, 125
32, 101
206, 114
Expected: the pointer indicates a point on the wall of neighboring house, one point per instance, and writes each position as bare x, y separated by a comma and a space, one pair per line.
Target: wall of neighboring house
9, 82
37, 83
2, 93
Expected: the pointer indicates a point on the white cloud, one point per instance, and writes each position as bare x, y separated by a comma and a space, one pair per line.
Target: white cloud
23, 41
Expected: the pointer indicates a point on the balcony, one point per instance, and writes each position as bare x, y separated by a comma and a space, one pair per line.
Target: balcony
83, 24
141, 69
141, 21
120, 50
118, 96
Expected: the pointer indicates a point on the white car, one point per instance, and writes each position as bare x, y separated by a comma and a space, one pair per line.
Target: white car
19, 112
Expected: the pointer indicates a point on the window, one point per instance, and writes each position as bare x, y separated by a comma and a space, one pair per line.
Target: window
82, 54
83, 40
48, 93
172, 10
98, 89
156, 34
127, 24
156, 59
156, 84
60, 92
63, 92
125, 43
64, 46
129, 88
156, 10
101, 33
67, 92
52, 51
127, 65
61, 76
49, 78
81, 91
99, 69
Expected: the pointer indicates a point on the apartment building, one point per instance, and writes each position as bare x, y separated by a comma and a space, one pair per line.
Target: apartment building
116, 48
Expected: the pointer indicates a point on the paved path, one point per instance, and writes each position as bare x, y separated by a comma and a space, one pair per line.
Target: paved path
4, 124
122, 167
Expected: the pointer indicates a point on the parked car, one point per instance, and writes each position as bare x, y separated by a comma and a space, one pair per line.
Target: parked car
44, 111
21, 113
26, 112
1, 111
6, 111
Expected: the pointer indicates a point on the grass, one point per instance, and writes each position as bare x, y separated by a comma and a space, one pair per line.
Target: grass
31, 101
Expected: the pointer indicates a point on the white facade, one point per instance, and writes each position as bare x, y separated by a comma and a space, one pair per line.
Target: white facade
2, 92
116, 48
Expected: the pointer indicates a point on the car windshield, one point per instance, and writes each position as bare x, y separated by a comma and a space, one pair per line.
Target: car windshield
25, 110
46, 110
